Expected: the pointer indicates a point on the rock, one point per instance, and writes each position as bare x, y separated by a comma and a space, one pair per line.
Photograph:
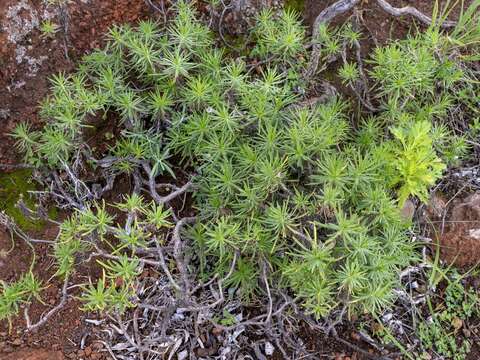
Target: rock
408, 210
460, 238
97, 346
17, 342
88, 351
182, 355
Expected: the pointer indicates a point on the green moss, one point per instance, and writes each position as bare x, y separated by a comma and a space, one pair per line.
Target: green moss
14, 186
298, 5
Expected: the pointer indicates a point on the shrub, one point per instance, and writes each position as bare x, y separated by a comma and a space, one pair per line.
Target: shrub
309, 200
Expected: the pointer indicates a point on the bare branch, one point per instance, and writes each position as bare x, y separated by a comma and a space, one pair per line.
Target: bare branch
15, 166
153, 187
7, 222
324, 17
101, 253
48, 315
164, 267
410, 10
178, 250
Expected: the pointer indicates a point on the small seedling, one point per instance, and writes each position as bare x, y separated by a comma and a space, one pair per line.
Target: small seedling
48, 29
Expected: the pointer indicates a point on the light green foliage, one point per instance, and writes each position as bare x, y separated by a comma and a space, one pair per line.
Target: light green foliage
48, 28
306, 197
105, 297
15, 294
417, 166
421, 76
467, 32
349, 72
280, 38
68, 245
95, 229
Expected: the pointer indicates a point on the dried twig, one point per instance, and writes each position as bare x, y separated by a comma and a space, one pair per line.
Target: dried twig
153, 187
324, 17
164, 267
410, 10
220, 24
15, 166
7, 222
48, 315
64, 20
160, 9
100, 253
178, 251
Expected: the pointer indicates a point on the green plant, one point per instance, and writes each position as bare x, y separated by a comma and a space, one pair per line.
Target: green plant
417, 166
349, 72
308, 199
48, 28
17, 293
441, 332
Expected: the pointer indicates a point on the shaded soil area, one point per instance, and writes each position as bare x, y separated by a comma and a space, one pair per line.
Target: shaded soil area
67, 329
380, 26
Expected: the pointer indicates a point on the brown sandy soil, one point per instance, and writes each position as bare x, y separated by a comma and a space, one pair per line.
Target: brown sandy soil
65, 330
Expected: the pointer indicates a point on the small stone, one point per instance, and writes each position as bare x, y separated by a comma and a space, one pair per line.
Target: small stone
217, 331
17, 342
408, 210
269, 349
97, 346
457, 323
182, 355
88, 351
